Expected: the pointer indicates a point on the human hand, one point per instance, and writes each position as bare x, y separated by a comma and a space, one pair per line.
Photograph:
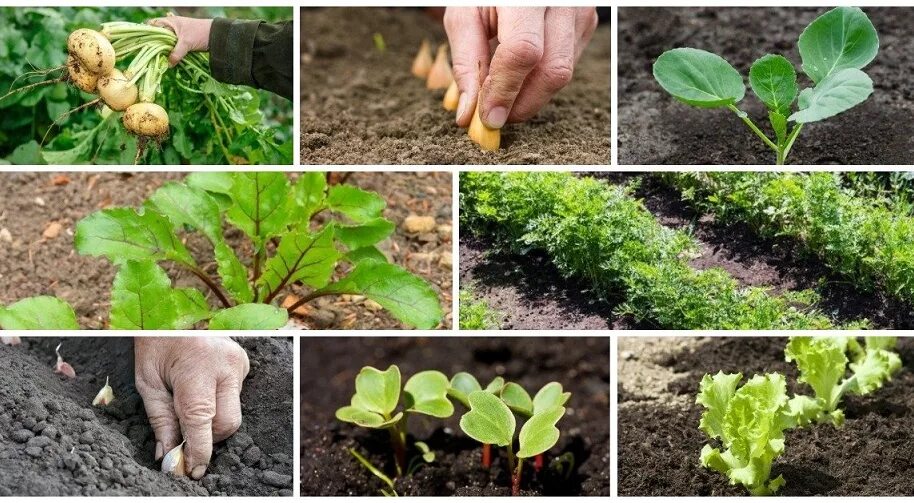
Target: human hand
534, 59
191, 388
193, 34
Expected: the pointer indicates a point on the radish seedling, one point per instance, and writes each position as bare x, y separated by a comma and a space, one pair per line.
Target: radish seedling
834, 48
377, 400
461, 385
491, 421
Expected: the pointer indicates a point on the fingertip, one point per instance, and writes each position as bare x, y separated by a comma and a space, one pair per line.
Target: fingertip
198, 472
160, 451
495, 118
463, 115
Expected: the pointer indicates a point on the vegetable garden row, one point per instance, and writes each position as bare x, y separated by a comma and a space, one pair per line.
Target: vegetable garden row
859, 226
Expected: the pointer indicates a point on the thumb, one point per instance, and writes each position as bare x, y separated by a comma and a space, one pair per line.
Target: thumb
468, 37
177, 54
195, 406
158, 403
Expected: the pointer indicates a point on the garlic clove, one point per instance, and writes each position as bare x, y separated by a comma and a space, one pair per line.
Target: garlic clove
440, 75
422, 64
451, 97
63, 367
105, 395
487, 138
173, 461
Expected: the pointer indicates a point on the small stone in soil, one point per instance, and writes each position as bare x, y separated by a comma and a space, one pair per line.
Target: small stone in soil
87, 437
35, 452
251, 455
22, 436
274, 479
39, 442
415, 224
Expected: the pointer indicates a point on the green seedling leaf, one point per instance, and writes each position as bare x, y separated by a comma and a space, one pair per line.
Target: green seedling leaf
357, 204
699, 78
835, 94
496, 385
376, 472
822, 364
489, 420
714, 394
260, 204
310, 192
250, 317
427, 454
190, 307
539, 433
38, 313
142, 298
426, 393
874, 370
378, 391
301, 256
233, 273
801, 411
218, 185
517, 399
841, 38
880, 342
122, 234
360, 416
408, 297
367, 253
774, 81
779, 124
461, 385
549, 397
368, 233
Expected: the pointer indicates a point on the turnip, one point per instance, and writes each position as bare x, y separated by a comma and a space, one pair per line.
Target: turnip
83, 79
146, 120
93, 50
117, 91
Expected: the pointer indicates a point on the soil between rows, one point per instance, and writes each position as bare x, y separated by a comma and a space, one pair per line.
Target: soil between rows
659, 441
31, 264
532, 293
54, 443
363, 106
328, 370
654, 128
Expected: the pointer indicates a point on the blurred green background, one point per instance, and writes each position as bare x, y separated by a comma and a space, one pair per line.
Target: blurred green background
35, 38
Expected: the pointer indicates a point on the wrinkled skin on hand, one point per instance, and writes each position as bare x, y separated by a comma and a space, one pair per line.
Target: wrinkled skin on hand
193, 35
191, 389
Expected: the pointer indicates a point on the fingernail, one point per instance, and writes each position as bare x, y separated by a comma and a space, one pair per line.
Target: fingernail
462, 105
497, 117
160, 451
198, 472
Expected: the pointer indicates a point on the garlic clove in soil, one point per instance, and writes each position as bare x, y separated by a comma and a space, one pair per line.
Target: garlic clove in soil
440, 75
487, 138
105, 395
173, 461
451, 97
63, 367
422, 64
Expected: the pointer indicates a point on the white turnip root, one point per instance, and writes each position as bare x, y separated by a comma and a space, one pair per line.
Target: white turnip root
117, 91
93, 50
83, 79
146, 119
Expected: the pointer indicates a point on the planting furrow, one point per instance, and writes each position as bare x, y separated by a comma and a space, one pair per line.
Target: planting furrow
600, 233
858, 238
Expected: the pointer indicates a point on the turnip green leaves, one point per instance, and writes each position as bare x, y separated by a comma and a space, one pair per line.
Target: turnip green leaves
750, 421
38, 313
834, 49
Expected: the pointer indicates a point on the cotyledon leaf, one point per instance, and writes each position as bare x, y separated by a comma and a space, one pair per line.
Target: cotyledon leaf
539, 433
489, 420
426, 393
835, 94
699, 78
843, 37
376, 390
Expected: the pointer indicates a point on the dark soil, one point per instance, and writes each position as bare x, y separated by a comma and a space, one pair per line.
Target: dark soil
656, 129
362, 106
659, 445
54, 443
331, 364
33, 265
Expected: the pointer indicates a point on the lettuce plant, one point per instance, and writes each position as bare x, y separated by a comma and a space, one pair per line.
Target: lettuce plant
376, 402
833, 48
290, 246
490, 420
824, 364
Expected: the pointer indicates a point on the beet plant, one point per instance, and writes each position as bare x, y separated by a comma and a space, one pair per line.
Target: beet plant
834, 48
375, 405
334, 254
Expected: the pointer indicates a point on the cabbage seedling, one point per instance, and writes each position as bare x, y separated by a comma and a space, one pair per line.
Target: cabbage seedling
491, 421
834, 48
377, 398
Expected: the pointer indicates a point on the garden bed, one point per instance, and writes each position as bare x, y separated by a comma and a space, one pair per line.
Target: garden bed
33, 264
54, 443
654, 128
363, 106
659, 439
331, 364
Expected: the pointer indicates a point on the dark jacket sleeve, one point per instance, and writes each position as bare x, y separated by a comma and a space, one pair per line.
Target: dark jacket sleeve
252, 53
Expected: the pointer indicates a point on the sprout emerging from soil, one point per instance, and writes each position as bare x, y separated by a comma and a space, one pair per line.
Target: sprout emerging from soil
105, 395
63, 367
423, 62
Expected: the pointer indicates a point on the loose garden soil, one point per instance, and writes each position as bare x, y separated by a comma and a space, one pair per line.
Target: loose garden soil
33, 264
360, 105
532, 294
659, 439
654, 128
54, 443
329, 367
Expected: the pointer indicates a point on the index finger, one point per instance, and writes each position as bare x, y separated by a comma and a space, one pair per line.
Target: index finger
195, 406
469, 41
